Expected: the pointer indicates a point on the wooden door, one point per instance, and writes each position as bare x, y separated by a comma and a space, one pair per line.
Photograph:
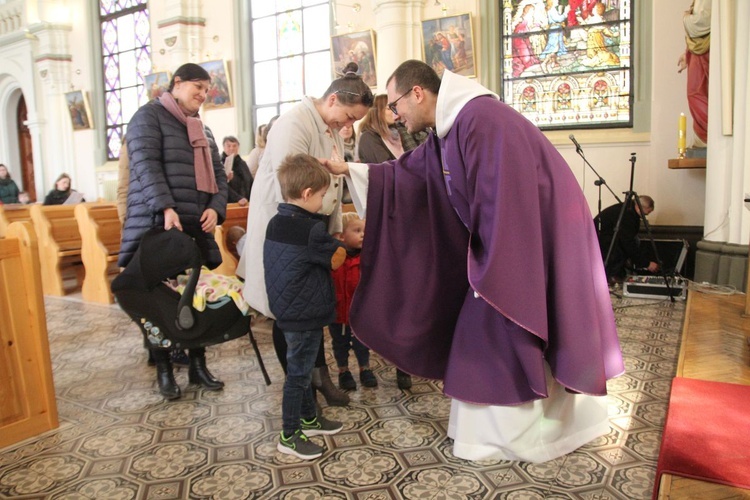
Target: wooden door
27, 154
27, 393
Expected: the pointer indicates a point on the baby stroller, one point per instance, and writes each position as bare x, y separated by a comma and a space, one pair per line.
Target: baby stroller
166, 318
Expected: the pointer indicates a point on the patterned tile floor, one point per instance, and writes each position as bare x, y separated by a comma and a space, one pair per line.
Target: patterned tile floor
119, 440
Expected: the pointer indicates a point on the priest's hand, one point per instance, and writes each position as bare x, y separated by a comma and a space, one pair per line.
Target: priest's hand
335, 167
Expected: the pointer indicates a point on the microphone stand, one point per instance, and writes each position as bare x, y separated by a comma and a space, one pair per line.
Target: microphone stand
599, 182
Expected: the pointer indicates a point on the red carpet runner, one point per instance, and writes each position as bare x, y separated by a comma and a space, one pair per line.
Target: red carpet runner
707, 434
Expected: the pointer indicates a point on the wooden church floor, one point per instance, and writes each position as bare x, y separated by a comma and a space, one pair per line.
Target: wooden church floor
714, 347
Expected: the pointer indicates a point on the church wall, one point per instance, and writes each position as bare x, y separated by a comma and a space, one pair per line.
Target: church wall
679, 194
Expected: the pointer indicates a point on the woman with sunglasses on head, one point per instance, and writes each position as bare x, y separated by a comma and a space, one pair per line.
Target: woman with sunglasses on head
310, 127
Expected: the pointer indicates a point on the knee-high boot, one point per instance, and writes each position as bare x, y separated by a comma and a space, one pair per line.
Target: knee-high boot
165, 379
321, 381
198, 372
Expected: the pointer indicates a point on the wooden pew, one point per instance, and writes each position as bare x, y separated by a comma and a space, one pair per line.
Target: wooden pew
12, 213
236, 216
100, 230
26, 389
59, 245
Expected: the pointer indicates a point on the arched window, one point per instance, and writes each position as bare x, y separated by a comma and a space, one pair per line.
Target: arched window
126, 58
291, 53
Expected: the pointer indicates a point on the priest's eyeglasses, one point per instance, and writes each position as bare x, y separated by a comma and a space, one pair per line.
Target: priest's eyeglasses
392, 105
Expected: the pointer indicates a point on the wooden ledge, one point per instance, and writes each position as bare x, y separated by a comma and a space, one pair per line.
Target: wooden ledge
687, 163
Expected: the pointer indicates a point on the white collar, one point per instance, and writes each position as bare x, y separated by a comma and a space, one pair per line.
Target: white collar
455, 92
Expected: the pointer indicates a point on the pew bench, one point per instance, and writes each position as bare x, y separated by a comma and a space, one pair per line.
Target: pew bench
12, 213
59, 246
100, 230
236, 216
27, 391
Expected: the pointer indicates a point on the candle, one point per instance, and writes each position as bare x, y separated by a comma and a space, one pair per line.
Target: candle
681, 135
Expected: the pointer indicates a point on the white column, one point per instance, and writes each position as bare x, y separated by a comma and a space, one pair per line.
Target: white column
398, 25
182, 29
728, 164
55, 131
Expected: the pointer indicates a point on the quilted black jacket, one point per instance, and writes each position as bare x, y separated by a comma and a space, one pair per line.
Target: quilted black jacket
297, 256
162, 175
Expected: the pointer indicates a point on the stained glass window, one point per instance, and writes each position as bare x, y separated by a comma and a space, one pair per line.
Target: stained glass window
291, 53
126, 58
568, 64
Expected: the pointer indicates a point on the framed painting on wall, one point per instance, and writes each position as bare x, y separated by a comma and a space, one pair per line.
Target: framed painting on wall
156, 84
448, 43
220, 91
355, 47
79, 109
568, 64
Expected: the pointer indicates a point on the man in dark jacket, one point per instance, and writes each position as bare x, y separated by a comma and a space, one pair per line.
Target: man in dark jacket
239, 177
627, 247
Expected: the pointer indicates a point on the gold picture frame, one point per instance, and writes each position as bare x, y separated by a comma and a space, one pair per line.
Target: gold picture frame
77, 103
448, 43
156, 84
356, 47
220, 91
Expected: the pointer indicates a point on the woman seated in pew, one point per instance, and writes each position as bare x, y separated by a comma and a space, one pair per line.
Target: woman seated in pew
8, 187
62, 194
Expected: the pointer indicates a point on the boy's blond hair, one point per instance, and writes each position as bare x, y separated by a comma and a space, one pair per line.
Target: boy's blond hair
347, 218
299, 172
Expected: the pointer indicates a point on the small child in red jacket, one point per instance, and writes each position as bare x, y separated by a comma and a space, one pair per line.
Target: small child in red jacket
345, 280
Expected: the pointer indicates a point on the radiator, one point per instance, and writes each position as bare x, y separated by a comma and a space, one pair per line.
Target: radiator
109, 189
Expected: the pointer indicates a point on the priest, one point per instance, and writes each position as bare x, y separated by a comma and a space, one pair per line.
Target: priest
481, 267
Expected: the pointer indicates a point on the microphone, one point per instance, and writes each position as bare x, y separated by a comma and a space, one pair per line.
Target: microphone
578, 146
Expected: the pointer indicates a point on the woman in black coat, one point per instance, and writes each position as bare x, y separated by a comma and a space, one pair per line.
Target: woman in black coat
8, 187
176, 181
61, 192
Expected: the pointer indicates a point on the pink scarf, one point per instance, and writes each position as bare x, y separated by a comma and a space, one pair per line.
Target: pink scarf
204, 173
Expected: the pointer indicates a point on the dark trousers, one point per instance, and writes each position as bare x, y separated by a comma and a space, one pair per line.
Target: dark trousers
279, 345
298, 401
165, 354
342, 341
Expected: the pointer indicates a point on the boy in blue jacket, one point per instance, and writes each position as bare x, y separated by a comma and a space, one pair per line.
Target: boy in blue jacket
298, 256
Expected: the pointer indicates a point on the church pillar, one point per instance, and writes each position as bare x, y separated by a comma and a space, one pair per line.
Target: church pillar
398, 25
727, 218
181, 30
728, 174
51, 129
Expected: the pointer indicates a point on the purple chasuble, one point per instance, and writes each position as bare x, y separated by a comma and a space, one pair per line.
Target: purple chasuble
480, 262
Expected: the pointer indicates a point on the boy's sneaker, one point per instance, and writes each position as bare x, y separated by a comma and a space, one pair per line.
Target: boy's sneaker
368, 378
319, 426
346, 381
299, 446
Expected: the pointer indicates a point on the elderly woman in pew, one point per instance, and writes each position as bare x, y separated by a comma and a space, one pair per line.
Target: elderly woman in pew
177, 181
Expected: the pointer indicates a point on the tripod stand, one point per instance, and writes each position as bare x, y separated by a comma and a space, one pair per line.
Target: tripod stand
632, 197
599, 182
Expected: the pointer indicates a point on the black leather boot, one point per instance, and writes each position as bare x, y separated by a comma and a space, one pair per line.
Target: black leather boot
165, 378
321, 381
198, 372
